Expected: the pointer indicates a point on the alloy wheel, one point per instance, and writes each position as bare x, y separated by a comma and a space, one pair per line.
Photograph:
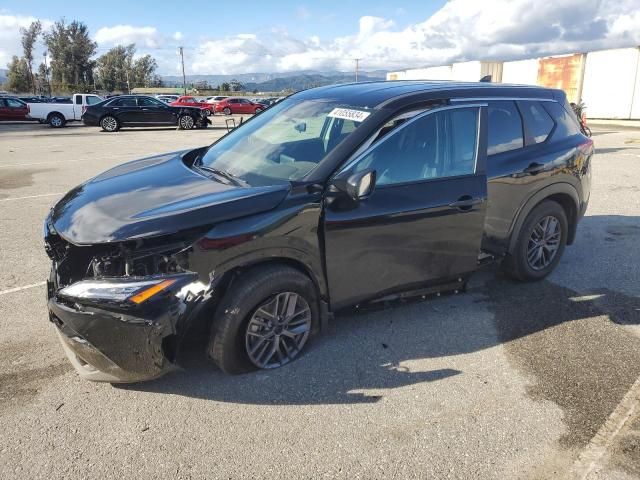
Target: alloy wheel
109, 124
544, 243
56, 121
186, 122
278, 330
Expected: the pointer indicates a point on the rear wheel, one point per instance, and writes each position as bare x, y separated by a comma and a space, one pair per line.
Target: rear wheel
56, 120
110, 124
226, 111
265, 320
541, 242
186, 122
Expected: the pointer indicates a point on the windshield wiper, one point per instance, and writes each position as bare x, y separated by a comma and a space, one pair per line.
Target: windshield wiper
221, 173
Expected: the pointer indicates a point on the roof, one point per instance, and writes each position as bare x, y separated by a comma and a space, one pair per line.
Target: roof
373, 94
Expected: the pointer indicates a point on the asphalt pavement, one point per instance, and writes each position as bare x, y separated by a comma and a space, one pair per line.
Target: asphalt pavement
507, 380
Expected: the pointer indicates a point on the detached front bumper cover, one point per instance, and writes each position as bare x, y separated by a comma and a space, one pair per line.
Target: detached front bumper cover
125, 330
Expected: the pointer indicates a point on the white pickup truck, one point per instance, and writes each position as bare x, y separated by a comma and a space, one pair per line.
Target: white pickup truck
58, 114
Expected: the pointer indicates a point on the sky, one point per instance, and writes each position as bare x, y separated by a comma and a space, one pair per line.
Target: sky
258, 36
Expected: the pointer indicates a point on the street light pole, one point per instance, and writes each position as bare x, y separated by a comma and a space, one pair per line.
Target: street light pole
184, 81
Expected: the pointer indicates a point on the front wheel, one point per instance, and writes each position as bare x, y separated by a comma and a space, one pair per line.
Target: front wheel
258, 110
109, 124
265, 321
206, 112
186, 122
541, 242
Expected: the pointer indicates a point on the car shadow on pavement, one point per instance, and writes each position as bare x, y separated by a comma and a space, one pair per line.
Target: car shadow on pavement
365, 355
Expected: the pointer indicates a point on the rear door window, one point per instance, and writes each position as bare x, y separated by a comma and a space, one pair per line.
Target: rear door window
505, 127
567, 125
537, 121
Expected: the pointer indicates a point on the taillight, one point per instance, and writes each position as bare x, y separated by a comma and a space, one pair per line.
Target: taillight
586, 147
28, 108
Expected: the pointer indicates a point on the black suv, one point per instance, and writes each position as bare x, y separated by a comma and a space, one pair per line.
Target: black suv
142, 111
335, 197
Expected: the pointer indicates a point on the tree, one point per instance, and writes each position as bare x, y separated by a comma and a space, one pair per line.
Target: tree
236, 86
225, 87
29, 37
114, 68
42, 79
144, 69
71, 49
18, 75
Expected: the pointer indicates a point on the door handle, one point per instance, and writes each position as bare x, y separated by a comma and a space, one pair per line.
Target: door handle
466, 203
534, 168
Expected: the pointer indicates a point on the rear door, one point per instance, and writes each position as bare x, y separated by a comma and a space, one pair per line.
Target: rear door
126, 110
423, 223
4, 110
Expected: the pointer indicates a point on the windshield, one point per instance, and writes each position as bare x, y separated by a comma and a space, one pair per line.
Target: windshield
285, 142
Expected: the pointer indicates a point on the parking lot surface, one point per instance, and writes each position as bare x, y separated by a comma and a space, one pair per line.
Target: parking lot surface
507, 380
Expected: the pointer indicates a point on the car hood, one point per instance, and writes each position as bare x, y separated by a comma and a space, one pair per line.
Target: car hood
154, 196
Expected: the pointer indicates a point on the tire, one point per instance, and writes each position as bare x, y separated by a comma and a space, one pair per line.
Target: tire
258, 110
234, 325
206, 112
226, 111
110, 124
56, 120
186, 122
530, 260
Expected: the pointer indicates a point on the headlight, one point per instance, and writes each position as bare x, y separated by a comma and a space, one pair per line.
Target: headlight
116, 290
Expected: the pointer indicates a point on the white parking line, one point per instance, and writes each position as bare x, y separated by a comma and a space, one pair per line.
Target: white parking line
26, 287
590, 457
29, 196
39, 163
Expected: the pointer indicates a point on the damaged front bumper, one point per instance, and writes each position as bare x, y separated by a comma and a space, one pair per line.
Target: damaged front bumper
123, 342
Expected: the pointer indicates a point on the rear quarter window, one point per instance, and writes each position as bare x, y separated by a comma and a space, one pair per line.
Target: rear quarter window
567, 125
537, 121
505, 127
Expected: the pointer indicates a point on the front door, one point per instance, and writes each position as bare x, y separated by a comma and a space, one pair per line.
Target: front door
154, 111
423, 222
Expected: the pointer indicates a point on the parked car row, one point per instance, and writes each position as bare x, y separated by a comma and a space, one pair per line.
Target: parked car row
126, 110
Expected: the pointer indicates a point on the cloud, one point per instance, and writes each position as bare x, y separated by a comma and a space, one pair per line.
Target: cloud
10, 36
460, 30
148, 37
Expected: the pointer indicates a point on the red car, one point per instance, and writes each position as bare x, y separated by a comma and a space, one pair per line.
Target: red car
238, 105
186, 101
13, 109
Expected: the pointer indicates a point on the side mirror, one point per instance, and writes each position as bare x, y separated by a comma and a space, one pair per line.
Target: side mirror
301, 127
357, 185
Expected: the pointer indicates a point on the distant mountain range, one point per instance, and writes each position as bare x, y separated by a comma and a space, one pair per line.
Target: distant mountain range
3, 75
276, 82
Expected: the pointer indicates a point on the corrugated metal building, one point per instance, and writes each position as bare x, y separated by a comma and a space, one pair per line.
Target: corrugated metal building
611, 84
607, 81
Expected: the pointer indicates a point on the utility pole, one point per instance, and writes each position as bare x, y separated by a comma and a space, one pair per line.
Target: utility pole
357, 65
46, 73
184, 80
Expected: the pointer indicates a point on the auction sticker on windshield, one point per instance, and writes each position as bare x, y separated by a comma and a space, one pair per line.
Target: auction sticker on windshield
349, 114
